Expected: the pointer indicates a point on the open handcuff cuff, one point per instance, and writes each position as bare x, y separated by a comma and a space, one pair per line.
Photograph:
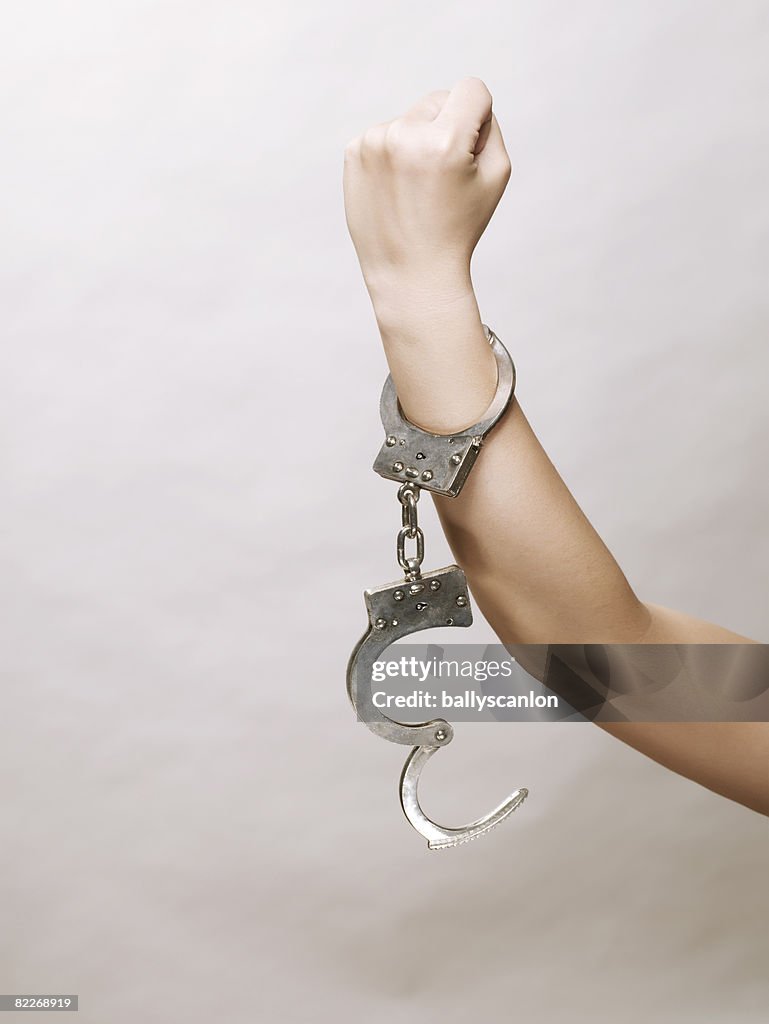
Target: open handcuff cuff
419, 460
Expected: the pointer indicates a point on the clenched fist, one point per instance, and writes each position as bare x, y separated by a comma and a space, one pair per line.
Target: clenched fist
420, 190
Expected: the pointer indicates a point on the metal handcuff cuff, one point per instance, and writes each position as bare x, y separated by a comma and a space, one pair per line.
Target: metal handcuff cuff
419, 460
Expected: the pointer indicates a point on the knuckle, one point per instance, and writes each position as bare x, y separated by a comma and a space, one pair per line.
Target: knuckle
443, 147
407, 148
393, 140
352, 149
372, 140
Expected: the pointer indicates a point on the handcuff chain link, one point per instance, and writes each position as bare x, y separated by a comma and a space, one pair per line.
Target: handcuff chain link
408, 496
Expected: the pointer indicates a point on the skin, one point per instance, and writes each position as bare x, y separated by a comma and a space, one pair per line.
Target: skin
419, 192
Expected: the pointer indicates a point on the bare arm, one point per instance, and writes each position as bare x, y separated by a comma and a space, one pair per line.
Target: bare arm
419, 192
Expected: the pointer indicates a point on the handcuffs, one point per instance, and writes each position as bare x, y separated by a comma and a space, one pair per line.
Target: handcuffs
419, 460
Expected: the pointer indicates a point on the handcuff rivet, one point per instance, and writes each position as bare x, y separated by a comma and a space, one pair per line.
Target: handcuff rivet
398, 595
435, 584
390, 441
380, 623
455, 459
461, 601
411, 473
397, 467
416, 588
440, 735
427, 475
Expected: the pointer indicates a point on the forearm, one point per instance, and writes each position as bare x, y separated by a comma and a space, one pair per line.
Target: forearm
539, 571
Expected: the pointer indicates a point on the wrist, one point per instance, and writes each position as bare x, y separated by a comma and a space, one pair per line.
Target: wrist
405, 299
442, 365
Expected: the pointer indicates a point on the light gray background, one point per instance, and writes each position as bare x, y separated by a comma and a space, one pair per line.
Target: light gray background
193, 825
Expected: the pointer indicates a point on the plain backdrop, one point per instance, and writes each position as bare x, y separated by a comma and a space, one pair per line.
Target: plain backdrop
193, 825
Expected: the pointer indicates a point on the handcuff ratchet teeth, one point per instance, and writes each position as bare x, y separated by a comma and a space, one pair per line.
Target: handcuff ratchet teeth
439, 463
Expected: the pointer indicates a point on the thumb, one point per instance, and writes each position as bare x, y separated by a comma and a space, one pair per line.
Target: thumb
483, 135
465, 111
493, 161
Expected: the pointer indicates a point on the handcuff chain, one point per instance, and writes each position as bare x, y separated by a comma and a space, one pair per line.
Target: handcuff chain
408, 496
